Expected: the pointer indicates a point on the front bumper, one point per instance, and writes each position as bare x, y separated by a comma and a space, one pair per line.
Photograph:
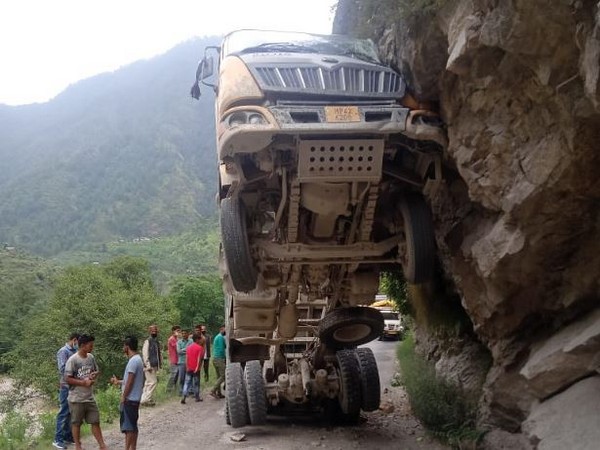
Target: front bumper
310, 120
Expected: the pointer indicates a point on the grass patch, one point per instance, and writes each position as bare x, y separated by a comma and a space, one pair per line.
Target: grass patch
13, 434
108, 404
442, 407
48, 424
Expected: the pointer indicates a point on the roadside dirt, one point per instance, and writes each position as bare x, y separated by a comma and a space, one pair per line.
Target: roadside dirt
195, 425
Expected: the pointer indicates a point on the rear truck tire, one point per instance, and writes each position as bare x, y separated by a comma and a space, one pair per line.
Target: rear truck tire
419, 259
349, 396
350, 327
237, 403
227, 417
236, 247
370, 387
255, 392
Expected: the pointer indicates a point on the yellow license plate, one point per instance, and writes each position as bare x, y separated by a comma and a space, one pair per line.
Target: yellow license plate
342, 114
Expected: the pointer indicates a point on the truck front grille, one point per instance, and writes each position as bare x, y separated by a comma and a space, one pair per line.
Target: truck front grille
341, 80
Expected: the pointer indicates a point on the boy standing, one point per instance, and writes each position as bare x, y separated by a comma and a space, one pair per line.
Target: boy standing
193, 360
219, 357
132, 386
81, 372
173, 358
63, 435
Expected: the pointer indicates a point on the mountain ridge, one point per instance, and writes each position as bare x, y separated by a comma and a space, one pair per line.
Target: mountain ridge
121, 154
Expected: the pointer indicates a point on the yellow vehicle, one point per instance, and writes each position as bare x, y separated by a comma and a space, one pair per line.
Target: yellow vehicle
393, 327
324, 165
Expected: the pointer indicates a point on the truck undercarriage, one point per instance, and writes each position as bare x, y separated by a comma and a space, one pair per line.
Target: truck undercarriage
323, 180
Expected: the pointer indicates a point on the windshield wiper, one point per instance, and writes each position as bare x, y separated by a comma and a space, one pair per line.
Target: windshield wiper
278, 47
361, 56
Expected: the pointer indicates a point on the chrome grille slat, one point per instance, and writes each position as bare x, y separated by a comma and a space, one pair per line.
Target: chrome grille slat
342, 79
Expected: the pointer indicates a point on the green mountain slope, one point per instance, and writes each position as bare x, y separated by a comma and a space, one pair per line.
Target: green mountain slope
119, 155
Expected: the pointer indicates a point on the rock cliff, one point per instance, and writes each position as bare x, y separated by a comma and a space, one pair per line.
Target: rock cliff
518, 222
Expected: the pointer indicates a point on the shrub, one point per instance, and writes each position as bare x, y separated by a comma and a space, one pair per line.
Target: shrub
441, 406
109, 301
47, 423
108, 403
13, 430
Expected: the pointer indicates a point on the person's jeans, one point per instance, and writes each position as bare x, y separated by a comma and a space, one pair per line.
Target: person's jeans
192, 382
181, 369
63, 418
173, 377
206, 367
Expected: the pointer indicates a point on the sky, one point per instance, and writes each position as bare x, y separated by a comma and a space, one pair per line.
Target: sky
45, 45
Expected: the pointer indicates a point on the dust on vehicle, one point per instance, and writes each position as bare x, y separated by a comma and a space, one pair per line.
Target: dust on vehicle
325, 162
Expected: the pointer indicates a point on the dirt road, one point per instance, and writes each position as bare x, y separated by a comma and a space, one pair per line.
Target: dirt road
202, 425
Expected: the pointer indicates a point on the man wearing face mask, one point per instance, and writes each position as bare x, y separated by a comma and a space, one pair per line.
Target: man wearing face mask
152, 359
63, 435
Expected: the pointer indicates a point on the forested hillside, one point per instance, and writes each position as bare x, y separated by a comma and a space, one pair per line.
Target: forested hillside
25, 286
117, 156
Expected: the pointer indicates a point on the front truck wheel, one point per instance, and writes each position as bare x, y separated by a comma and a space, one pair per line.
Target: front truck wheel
255, 391
236, 247
237, 405
350, 327
370, 387
350, 390
419, 260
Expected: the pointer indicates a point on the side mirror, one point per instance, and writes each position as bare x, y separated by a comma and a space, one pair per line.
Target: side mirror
204, 71
208, 67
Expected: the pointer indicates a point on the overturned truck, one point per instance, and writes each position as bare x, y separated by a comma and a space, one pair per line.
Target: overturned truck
324, 165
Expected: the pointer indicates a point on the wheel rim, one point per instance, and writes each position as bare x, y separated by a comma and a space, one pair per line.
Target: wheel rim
350, 327
352, 333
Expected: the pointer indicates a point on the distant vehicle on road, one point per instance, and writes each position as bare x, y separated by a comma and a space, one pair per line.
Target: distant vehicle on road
393, 327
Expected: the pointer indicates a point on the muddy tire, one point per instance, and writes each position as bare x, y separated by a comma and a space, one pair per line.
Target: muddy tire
227, 417
350, 327
349, 396
236, 247
255, 392
419, 259
236, 395
370, 388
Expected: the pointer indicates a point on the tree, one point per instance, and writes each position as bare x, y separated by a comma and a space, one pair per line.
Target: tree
393, 285
199, 300
109, 302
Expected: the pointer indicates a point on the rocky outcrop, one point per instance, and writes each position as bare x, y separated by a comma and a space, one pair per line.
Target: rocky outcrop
518, 222
567, 420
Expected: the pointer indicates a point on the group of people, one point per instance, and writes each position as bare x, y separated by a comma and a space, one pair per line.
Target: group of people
78, 372
189, 357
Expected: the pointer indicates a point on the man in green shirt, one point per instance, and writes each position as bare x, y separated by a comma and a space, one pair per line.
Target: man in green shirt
219, 351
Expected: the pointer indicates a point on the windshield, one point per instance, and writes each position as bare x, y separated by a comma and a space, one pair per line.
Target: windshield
390, 316
257, 41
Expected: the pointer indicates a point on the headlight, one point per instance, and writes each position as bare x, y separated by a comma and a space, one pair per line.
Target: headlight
256, 119
243, 118
238, 118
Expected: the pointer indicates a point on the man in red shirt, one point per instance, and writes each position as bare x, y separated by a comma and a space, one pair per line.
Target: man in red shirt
172, 349
194, 356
